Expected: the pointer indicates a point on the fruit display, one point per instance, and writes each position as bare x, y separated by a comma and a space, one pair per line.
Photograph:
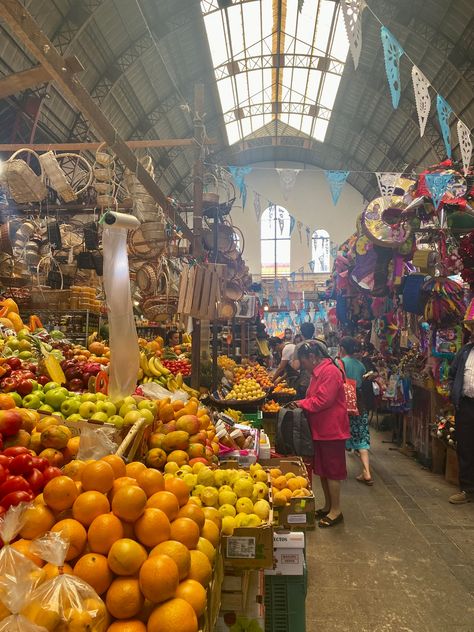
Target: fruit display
184, 433
182, 366
135, 536
235, 497
226, 363
247, 389
282, 389
153, 370
287, 486
271, 406
253, 371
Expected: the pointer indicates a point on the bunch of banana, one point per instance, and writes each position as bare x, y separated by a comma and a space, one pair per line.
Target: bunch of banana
152, 367
187, 338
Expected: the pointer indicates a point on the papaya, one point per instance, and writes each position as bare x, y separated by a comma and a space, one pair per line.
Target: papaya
55, 437
176, 440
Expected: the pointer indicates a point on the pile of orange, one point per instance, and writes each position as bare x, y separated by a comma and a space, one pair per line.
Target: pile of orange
135, 538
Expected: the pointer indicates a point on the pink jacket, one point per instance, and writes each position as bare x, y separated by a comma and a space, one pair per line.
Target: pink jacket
325, 404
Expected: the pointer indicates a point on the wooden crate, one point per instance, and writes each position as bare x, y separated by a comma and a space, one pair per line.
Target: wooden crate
452, 467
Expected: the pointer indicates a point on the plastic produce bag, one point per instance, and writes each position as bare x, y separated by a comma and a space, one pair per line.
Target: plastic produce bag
123, 339
16, 570
65, 603
15, 598
96, 442
152, 390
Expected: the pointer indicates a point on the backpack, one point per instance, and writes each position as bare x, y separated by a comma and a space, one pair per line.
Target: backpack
293, 434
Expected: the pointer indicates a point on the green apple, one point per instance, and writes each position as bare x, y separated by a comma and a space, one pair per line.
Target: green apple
32, 401
132, 416
118, 404
147, 415
126, 408
56, 397
101, 397
148, 405
25, 355
44, 408
88, 397
130, 400
70, 406
51, 386
23, 333
106, 407
17, 397
87, 409
75, 417
116, 420
102, 417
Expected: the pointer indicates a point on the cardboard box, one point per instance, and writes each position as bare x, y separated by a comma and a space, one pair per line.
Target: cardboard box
288, 553
298, 514
213, 595
254, 607
249, 547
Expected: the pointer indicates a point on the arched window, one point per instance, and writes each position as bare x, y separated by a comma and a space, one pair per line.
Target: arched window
321, 250
275, 241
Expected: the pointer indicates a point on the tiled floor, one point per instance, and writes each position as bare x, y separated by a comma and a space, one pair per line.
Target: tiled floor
403, 561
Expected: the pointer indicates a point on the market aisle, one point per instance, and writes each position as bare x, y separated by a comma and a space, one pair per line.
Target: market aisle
402, 562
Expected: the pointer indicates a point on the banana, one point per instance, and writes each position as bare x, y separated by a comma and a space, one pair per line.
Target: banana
152, 364
144, 364
163, 370
179, 380
171, 384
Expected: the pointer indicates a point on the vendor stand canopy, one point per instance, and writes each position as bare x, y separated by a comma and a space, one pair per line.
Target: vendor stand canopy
142, 58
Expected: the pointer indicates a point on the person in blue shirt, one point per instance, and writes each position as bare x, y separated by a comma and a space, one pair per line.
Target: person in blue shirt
360, 436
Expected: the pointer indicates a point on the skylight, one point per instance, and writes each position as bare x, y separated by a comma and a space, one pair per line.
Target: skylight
274, 61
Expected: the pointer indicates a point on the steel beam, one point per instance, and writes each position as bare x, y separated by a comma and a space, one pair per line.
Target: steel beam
25, 28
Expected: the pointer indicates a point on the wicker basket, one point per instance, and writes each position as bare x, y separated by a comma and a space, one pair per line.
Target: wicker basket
45, 298
57, 178
20, 182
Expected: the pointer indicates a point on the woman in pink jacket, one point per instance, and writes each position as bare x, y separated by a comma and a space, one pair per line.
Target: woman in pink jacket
326, 410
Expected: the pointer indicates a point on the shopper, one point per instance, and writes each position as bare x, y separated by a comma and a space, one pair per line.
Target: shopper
288, 335
303, 379
325, 407
461, 376
284, 369
359, 424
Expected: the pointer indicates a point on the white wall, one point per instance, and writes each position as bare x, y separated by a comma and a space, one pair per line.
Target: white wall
310, 202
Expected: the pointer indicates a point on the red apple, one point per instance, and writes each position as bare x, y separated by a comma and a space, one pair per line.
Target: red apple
10, 422
15, 363
43, 380
24, 387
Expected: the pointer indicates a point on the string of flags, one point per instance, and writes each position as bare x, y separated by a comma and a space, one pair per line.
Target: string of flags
393, 52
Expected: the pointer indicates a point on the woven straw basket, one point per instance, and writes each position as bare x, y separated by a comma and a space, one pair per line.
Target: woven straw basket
19, 181
57, 178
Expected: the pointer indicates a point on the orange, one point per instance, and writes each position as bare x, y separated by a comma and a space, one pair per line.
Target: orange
128, 530
122, 481
116, 463
186, 531
103, 532
124, 599
210, 531
39, 500
71, 449
167, 502
159, 578
94, 569
201, 569
194, 593
190, 510
151, 481
134, 468
73, 469
37, 520
175, 615
88, 506
73, 532
179, 488
177, 552
24, 547
51, 570
126, 556
6, 401
98, 476
60, 493
152, 527
212, 513
129, 503
131, 625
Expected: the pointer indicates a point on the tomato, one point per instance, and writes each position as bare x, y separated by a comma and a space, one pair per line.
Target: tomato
36, 480
39, 463
14, 484
3, 474
49, 473
15, 451
5, 460
22, 464
15, 498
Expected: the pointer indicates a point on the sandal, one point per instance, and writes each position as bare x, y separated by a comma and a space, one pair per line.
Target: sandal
326, 522
321, 513
366, 481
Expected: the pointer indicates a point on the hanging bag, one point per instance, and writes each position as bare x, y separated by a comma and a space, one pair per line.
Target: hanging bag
350, 390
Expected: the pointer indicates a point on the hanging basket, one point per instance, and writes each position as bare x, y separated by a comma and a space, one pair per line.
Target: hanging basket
19, 181
104, 156
57, 178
